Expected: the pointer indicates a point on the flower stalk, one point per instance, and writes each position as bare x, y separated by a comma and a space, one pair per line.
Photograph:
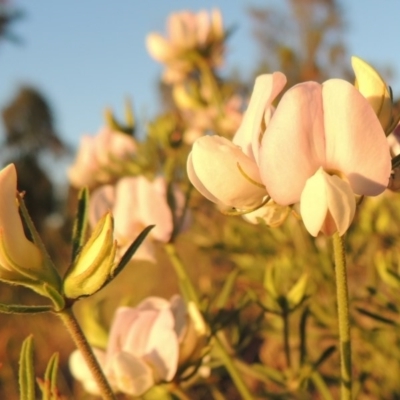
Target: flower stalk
343, 317
69, 320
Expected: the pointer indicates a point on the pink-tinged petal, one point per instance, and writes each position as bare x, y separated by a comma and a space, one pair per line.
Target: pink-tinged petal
216, 164
153, 207
293, 146
265, 90
101, 201
17, 249
159, 48
82, 172
133, 375
153, 303
123, 319
139, 331
125, 208
355, 141
197, 183
327, 204
162, 347
80, 370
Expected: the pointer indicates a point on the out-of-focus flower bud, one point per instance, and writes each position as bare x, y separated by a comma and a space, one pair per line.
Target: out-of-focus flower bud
372, 86
99, 156
95, 263
21, 261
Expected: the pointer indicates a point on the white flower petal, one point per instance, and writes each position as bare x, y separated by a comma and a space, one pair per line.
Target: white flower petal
327, 204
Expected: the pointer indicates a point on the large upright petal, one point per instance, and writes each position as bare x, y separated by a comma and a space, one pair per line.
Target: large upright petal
219, 168
355, 142
266, 88
293, 146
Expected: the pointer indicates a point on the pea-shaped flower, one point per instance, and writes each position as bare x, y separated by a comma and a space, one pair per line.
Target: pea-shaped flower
146, 345
324, 145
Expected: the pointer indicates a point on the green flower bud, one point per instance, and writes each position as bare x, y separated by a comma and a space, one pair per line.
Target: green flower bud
94, 265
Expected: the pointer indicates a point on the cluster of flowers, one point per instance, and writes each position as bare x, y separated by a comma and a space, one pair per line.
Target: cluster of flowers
321, 147
146, 346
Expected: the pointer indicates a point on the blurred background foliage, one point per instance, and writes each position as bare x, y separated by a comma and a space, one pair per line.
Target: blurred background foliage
269, 289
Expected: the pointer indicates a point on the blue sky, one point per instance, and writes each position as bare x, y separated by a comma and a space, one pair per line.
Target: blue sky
87, 55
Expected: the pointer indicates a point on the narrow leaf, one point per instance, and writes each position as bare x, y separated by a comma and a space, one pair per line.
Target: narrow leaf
377, 317
80, 223
22, 309
26, 370
129, 253
227, 289
50, 378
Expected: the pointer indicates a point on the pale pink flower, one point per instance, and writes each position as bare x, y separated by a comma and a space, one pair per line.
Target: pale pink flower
226, 172
136, 203
324, 145
186, 32
98, 156
145, 346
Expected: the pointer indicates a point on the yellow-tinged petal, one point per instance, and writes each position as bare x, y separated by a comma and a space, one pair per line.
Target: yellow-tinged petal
374, 89
94, 265
16, 248
327, 204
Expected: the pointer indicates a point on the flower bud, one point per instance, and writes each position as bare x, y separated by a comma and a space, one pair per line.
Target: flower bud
371, 85
95, 263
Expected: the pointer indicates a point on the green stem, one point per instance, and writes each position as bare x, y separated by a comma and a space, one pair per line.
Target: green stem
285, 317
190, 294
343, 316
230, 366
185, 284
83, 346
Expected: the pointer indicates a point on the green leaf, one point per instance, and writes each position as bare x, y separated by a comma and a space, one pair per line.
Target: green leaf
227, 289
130, 252
22, 309
377, 317
80, 223
50, 378
26, 370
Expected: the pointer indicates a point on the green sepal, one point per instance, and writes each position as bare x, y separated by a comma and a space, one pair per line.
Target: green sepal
56, 297
80, 223
22, 309
26, 370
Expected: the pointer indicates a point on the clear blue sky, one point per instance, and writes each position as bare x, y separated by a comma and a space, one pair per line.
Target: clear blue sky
87, 55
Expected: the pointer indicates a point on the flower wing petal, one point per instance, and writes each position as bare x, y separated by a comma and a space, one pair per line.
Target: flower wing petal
216, 162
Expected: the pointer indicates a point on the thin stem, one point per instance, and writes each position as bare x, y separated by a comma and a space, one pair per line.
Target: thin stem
190, 294
285, 317
343, 316
187, 289
230, 366
83, 346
